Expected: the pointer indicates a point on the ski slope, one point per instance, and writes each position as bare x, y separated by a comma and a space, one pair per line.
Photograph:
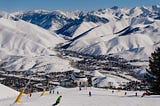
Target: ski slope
6, 92
74, 97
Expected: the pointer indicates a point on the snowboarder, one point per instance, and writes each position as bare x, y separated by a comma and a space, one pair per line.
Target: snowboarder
113, 91
57, 101
90, 93
53, 91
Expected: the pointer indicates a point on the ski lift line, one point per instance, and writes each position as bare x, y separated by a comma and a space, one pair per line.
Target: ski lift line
21, 93
31, 76
28, 83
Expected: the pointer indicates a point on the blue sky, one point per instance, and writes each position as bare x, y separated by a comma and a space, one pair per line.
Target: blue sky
69, 5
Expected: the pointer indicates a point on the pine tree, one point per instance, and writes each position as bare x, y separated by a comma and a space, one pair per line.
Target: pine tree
153, 77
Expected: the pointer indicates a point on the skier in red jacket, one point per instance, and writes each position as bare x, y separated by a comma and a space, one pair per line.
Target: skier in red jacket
144, 94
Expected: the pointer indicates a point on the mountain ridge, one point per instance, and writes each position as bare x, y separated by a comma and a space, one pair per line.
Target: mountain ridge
112, 22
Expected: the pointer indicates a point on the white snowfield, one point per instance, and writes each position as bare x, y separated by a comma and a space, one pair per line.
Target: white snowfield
22, 38
6, 92
131, 33
74, 97
127, 33
43, 63
22, 45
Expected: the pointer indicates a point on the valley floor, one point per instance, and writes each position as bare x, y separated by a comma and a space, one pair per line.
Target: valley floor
74, 97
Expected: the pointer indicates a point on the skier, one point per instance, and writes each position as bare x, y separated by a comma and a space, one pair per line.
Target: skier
57, 92
57, 101
50, 92
125, 93
136, 94
144, 94
30, 94
90, 93
80, 88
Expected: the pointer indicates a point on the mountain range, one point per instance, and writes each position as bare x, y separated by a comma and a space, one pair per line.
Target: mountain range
29, 38
24, 46
131, 33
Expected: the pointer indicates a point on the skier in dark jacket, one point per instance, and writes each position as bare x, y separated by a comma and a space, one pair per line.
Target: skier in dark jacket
57, 101
136, 94
90, 93
125, 93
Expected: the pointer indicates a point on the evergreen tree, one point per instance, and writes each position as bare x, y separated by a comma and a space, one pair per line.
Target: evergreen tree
153, 78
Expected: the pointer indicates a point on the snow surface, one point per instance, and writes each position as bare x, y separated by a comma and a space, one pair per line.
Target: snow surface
23, 45
129, 33
43, 63
115, 36
74, 97
6, 92
22, 38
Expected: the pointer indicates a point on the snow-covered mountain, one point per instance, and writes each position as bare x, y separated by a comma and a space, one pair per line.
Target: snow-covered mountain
28, 39
22, 38
129, 33
24, 45
50, 20
64, 23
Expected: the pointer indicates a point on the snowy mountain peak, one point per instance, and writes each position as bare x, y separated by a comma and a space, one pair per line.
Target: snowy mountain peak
115, 7
90, 32
35, 39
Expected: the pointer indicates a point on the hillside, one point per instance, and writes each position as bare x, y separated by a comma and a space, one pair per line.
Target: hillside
100, 97
7, 92
113, 40
24, 45
22, 38
100, 32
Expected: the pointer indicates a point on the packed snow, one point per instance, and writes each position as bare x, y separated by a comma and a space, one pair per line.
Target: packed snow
74, 97
6, 92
